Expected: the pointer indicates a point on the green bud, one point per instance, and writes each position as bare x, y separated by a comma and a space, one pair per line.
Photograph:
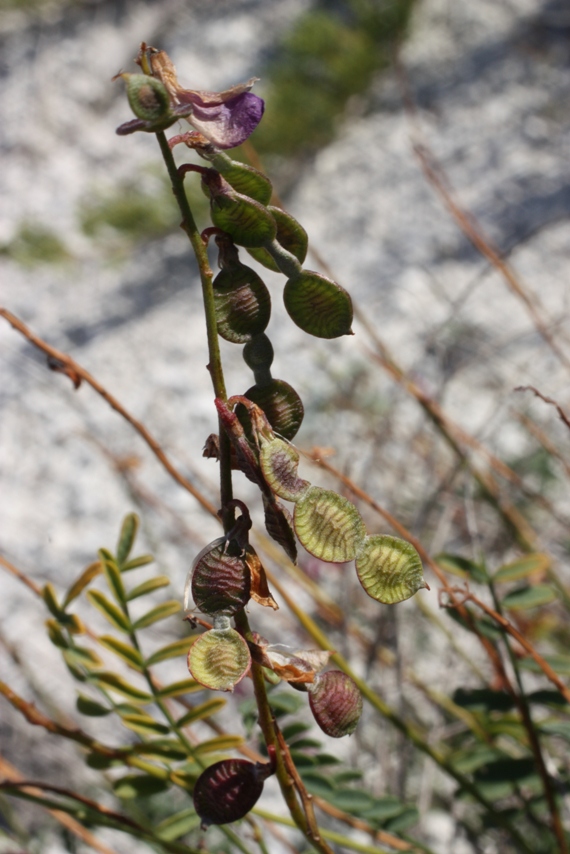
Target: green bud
148, 98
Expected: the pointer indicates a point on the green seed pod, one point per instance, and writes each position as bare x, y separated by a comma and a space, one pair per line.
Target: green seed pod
221, 582
227, 790
328, 525
244, 179
247, 222
279, 463
389, 569
290, 235
148, 98
318, 305
281, 404
242, 302
336, 703
219, 659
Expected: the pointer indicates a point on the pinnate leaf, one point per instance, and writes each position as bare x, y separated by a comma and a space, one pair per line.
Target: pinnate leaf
160, 612
114, 615
127, 537
148, 587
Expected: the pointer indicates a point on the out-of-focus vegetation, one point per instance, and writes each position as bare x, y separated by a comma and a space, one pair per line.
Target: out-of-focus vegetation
35, 243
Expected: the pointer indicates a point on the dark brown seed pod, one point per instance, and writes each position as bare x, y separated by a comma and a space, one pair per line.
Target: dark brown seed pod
220, 581
290, 235
318, 305
228, 790
336, 703
281, 404
243, 303
279, 526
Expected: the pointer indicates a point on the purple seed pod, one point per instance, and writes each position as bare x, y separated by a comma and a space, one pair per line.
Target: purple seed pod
336, 703
220, 581
228, 790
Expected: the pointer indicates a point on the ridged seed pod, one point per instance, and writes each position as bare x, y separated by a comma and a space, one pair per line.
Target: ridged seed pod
247, 222
281, 404
336, 703
219, 659
221, 582
226, 791
318, 305
389, 569
290, 235
243, 303
279, 463
328, 525
244, 179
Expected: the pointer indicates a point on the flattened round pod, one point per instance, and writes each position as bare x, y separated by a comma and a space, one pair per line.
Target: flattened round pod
226, 791
336, 703
243, 303
220, 582
328, 525
290, 235
318, 305
247, 222
219, 659
281, 404
389, 569
279, 463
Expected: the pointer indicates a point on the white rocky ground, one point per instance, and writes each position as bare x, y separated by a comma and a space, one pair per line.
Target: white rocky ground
490, 80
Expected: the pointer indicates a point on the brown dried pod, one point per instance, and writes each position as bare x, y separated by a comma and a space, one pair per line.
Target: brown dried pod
318, 305
336, 703
281, 404
279, 526
220, 580
290, 235
228, 790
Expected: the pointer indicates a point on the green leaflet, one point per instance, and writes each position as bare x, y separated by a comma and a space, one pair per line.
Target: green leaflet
86, 577
127, 537
124, 650
204, 710
529, 597
160, 612
115, 616
171, 650
117, 683
523, 567
148, 587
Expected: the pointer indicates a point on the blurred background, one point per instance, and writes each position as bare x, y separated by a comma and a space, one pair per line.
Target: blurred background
423, 144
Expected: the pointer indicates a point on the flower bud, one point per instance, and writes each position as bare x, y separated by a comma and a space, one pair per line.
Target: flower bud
318, 305
336, 703
290, 235
226, 791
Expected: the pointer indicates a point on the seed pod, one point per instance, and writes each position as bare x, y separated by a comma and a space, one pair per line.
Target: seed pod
244, 179
336, 703
258, 353
219, 659
328, 525
318, 305
279, 463
290, 235
279, 526
389, 569
226, 791
247, 222
148, 98
281, 404
220, 581
243, 303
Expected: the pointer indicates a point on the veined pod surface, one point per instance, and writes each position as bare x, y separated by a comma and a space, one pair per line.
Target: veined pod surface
290, 235
281, 404
336, 703
242, 302
226, 791
244, 179
279, 463
219, 659
389, 569
328, 525
221, 582
247, 222
318, 305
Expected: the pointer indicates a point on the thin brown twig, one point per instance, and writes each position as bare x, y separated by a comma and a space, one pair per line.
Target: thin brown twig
550, 400
11, 774
543, 439
65, 364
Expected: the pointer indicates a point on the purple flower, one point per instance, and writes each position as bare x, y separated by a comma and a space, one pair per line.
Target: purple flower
225, 118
